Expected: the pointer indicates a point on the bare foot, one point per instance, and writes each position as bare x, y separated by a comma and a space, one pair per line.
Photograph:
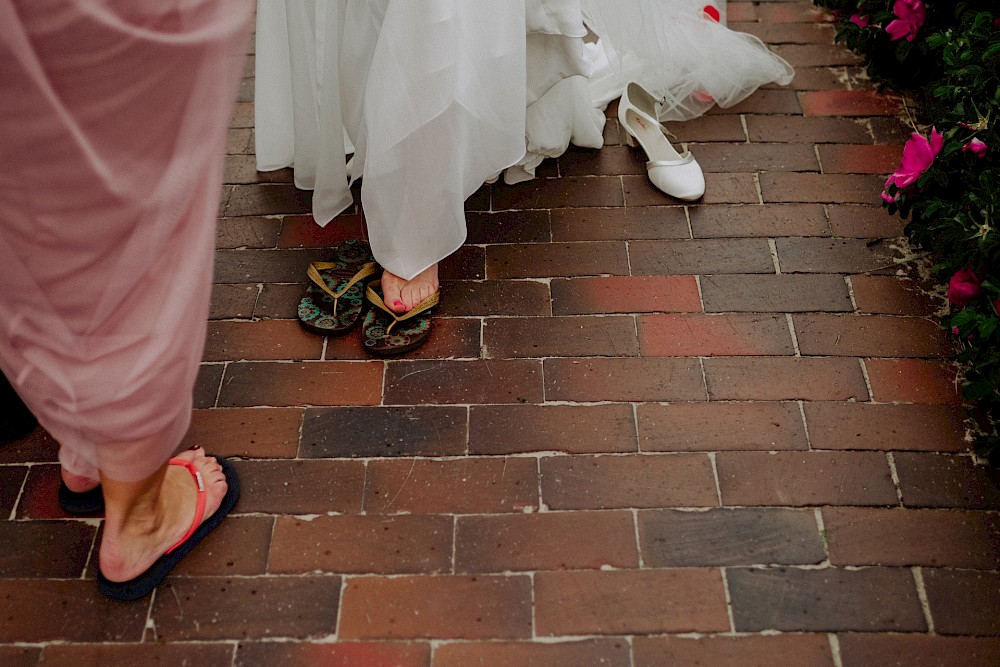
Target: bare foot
136, 535
402, 295
78, 483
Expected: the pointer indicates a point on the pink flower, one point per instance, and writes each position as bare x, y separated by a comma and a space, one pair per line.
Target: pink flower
976, 147
918, 155
963, 287
860, 21
911, 15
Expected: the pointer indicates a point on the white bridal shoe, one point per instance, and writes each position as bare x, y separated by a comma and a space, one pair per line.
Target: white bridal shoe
677, 175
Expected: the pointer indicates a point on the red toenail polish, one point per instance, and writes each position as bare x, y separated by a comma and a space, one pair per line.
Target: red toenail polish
397, 302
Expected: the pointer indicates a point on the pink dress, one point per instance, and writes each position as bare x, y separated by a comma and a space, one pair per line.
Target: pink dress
114, 117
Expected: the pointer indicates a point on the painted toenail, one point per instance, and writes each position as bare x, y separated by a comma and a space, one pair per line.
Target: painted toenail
397, 302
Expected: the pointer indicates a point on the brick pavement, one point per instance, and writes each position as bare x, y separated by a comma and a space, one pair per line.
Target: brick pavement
644, 434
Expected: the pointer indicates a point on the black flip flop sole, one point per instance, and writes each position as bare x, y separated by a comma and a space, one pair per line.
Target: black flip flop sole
81, 502
143, 585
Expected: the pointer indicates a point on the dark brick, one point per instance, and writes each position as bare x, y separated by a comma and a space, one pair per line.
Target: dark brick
11, 480
266, 340
268, 199
314, 383
797, 130
870, 650
609, 161
937, 480
204, 608
824, 188
698, 335
796, 650
341, 654
589, 429
612, 224
720, 188
494, 297
206, 386
575, 192
265, 266
464, 382
728, 158
701, 256
784, 378
278, 301
832, 256
99, 655
44, 549
775, 293
238, 547
35, 611
867, 222
816, 55
595, 652
556, 259
233, 301
767, 220
647, 480
708, 129
964, 602
508, 227
381, 431
300, 487
253, 433
827, 600
251, 232
885, 426
869, 336
625, 294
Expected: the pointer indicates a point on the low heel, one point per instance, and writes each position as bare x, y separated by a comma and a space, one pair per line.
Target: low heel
630, 140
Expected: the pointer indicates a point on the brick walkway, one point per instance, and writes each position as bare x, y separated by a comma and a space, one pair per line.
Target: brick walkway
644, 434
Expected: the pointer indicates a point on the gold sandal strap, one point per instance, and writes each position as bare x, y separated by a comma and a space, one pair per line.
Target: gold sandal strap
367, 269
420, 308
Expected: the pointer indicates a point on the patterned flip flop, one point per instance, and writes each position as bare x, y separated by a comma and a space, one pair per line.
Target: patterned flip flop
385, 333
335, 299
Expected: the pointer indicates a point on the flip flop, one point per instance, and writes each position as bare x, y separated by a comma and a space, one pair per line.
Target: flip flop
387, 333
334, 301
143, 585
81, 502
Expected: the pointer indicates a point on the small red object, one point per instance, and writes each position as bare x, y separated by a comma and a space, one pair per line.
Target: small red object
712, 13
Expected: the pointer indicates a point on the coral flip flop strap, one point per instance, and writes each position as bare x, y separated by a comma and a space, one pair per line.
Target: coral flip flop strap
199, 510
367, 269
421, 307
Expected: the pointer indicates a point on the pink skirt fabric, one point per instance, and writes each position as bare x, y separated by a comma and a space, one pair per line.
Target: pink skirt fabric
114, 116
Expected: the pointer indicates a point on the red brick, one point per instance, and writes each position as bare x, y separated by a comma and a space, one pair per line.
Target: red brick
964, 602
604, 652
644, 379
864, 221
611, 224
494, 297
341, 654
891, 295
912, 381
847, 102
701, 256
825, 600
819, 55
787, 33
785, 293
741, 11
727, 158
546, 541
767, 220
630, 602
714, 335
99, 655
487, 381
575, 192
362, 544
799, 130
231, 608
265, 266
462, 486
588, 429
837, 255
885, 426
300, 487
710, 128
720, 188
878, 650
796, 650
848, 159
609, 161
646, 480
556, 259
774, 12
625, 294
934, 480
715, 426
314, 383
805, 479
38, 499
36, 611
869, 336
902, 537
11, 480
781, 379
580, 336
385, 431
301, 231
260, 432
824, 188
437, 608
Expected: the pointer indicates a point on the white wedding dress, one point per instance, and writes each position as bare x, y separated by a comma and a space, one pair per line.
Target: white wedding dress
435, 97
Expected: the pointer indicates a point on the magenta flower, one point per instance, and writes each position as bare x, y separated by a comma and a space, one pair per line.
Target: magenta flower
860, 21
910, 17
918, 155
976, 147
963, 287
